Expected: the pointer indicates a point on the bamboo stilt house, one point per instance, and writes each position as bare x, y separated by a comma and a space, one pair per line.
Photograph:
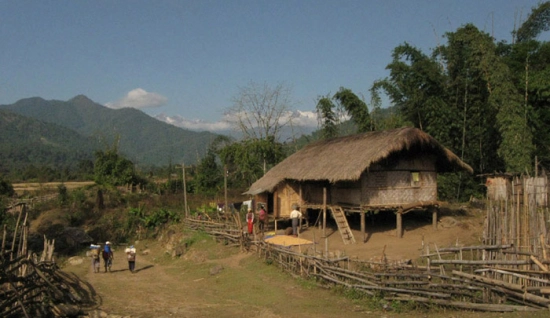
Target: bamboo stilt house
381, 170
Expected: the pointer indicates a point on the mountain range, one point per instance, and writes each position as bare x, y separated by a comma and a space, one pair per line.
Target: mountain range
51, 132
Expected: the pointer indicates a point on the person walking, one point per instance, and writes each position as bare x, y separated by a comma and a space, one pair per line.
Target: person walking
295, 217
131, 255
250, 220
107, 256
94, 254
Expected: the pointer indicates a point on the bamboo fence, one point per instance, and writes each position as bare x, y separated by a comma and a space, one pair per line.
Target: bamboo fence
32, 285
508, 272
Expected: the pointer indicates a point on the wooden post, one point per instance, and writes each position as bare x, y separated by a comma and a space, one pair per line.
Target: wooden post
399, 221
225, 187
4, 239
324, 212
325, 220
301, 202
184, 192
434, 217
363, 225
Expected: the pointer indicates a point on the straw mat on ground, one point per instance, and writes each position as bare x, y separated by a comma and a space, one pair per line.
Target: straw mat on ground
286, 240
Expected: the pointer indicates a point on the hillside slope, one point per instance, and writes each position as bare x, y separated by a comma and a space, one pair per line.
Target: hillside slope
141, 138
25, 141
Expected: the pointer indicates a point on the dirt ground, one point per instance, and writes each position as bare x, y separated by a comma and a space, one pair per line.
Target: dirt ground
454, 228
213, 280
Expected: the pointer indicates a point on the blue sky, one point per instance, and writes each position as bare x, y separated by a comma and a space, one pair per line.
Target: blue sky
187, 59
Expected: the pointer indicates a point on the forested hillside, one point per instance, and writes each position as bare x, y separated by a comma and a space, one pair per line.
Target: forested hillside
141, 138
27, 144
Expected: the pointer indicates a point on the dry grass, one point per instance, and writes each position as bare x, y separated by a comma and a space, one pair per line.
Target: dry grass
21, 188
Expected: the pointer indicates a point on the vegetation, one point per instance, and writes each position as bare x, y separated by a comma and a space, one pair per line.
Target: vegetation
480, 98
112, 169
6, 188
260, 113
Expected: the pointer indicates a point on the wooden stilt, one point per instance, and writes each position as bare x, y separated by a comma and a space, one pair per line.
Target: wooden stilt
399, 223
363, 230
434, 217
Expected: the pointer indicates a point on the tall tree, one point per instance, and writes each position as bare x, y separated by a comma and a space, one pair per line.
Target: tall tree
470, 60
261, 111
356, 108
529, 69
112, 169
537, 22
208, 177
249, 159
417, 87
328, 118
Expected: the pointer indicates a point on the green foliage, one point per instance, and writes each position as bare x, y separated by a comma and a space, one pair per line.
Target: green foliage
457, 187
480, 99
327, 116
62, 194
160, 217
196, 236
355, 107
74, 129
208, 178
137, 217
78, 197
33, 149
134, 219
110, 168
248, 160
6, 188
538, 21
75, 218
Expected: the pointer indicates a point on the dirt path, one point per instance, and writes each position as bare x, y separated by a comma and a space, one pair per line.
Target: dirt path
202, 285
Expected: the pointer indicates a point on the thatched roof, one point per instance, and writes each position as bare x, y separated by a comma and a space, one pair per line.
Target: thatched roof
346, 158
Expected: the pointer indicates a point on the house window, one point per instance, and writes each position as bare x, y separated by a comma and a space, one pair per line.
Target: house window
415, 178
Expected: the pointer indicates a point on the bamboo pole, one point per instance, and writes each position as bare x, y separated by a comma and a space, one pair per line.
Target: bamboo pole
15, 234
325, 220
539, 264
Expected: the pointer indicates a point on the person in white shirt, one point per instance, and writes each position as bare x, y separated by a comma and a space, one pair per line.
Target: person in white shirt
131, 254
295, 217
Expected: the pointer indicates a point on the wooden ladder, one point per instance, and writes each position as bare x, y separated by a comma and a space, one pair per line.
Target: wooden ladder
343, 225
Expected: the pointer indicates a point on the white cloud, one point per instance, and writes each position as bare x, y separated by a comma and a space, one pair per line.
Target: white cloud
298, 118
195, 124
305, 119
139, 98
303, 122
